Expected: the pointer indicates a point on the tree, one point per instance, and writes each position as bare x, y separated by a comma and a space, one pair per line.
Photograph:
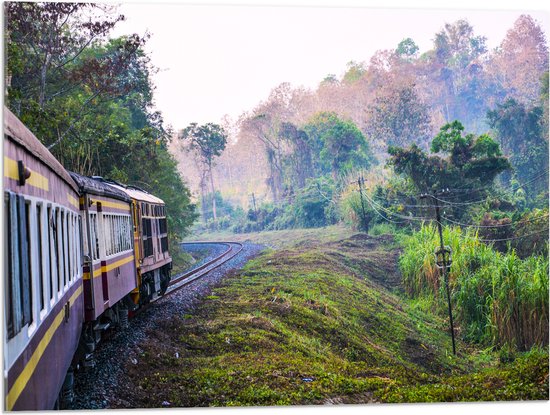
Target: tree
265, 123
521, 60
354, 72
45, 41
471, 162
314, 206
298, 161
455, 69
399, 118
520, 133
208, 141
407, 49
90, 99
339, 145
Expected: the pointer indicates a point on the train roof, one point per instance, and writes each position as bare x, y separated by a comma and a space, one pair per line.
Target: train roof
138, 194
99, 187
17, 131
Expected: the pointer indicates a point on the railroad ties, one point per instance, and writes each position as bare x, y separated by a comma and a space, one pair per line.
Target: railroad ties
181, 280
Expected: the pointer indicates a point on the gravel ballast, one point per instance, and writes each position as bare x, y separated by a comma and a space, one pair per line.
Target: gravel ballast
95, 387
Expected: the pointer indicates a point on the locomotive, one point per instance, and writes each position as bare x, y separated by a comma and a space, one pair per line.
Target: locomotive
80, 254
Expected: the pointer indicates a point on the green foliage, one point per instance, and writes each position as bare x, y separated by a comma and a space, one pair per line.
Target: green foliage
90, 100
354, 72
471, 162
223, 207
399, 118
519, 379
181, 260
520, 133
341, 145
407, 48
313, 205
312, 325
209, 139
499, 298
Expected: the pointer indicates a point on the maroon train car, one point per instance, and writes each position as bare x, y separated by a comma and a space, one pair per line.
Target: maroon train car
153, 261
109, 271
43, 301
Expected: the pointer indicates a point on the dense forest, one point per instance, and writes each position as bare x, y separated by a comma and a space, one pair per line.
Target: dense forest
456, 136
88, 98
296, 157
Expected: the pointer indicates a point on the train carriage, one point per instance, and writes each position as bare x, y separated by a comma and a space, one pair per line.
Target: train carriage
43, 302
153, 261
109, 266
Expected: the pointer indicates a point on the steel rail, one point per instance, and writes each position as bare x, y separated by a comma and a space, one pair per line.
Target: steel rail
234, 248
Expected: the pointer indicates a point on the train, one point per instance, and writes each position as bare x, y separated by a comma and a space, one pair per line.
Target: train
81, 254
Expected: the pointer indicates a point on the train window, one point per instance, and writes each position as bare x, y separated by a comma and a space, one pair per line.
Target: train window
39, 273
118, 231
163, 228
51, 251
61, 277
95, 241
66, 247
121, 233
57, 235
76, 247
107, 231
147, 238
81, 238
19, 302
27, 280
71, 245
65, 237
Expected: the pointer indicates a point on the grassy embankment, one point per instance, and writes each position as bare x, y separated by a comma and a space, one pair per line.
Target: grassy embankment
319, 321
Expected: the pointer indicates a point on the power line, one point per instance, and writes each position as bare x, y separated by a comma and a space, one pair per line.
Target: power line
512, 238
378, 212
511, 188
389, 212
472, 225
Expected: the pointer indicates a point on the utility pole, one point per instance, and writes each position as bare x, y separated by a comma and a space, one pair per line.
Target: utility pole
443, 262
361, 182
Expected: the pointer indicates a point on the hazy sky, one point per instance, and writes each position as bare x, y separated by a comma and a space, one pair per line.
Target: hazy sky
224, 59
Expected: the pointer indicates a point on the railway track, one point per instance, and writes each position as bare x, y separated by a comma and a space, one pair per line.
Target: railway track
181, 280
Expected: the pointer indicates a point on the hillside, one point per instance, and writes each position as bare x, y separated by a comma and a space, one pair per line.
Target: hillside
321, 322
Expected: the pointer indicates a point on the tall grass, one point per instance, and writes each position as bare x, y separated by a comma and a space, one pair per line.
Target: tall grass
498, 298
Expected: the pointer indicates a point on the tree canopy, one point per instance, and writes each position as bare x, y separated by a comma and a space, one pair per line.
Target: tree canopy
88, 98
470, 163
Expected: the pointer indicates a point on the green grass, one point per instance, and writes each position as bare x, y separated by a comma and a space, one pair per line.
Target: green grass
320, 323
180, 259
279, 239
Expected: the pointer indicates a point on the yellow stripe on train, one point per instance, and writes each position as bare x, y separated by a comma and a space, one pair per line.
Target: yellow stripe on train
109, 267
11, 171
30, 367
113, 205
72, 200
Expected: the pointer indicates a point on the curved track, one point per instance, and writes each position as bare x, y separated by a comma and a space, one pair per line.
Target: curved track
180, 281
